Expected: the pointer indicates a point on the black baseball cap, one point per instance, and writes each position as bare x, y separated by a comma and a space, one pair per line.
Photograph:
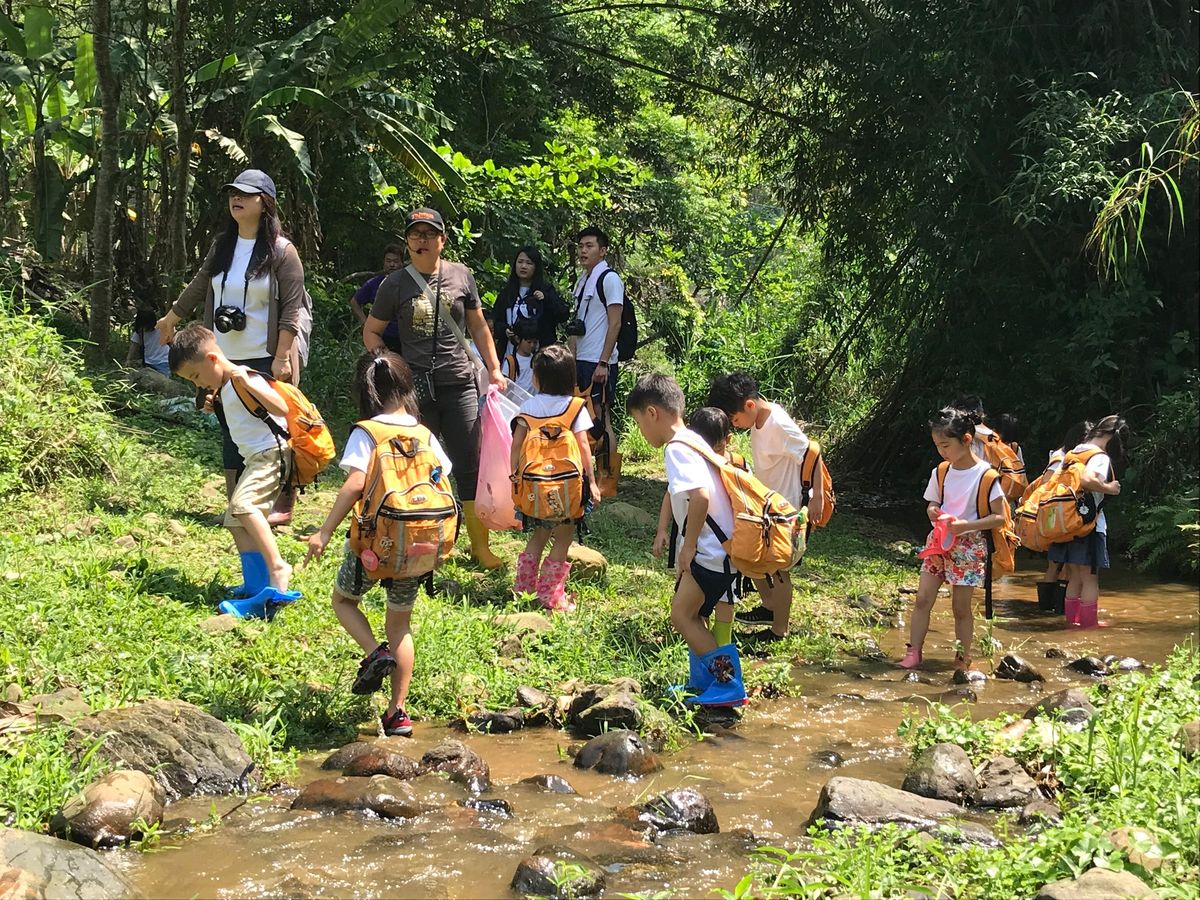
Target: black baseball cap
425, 216
253, 181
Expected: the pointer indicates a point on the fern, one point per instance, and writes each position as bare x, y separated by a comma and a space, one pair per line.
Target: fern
1169, 534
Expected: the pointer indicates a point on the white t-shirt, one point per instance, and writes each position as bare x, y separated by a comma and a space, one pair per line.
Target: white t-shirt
1100, 466
1055, 461
359, 446
542, 406
524, 376
254, 297
962, 491
250, 433
686, 471
154, 352
594, 314
519, 310
778, 448
982, 433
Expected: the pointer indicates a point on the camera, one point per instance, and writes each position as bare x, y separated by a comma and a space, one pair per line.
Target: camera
576, 328
229, 318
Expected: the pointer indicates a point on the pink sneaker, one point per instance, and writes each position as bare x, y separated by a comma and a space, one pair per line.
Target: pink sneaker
912, 658
1071, 610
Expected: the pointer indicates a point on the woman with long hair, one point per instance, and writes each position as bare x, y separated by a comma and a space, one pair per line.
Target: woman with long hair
530, 296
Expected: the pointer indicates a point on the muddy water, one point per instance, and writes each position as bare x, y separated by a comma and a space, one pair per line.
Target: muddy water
763, 779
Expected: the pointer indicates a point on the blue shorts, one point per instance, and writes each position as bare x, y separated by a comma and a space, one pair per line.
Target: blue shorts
1091, 550
716, 586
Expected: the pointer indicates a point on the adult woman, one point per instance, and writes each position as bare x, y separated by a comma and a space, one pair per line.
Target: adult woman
528, 295
431, 300
252, 287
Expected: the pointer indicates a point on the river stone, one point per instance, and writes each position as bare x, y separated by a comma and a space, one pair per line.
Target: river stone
488, 722
1097, 884
1189, 739
183, 747
380, 794
1056, 653
538, 706
541, 875
943, 772
1040, 809
827, 759
461, 763
586, 564
555, 784
616, 711
38, 866
618, 753
67, 703
523, 623
495, 806
1128, 839
853, 801
683, 809
103, 814
381, 761
627, 514
1089, 665
1071, 706
343, 756
971, 677
1015, 668
958, 695
1005, 784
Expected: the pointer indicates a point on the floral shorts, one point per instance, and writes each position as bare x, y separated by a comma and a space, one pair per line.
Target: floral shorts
966, 564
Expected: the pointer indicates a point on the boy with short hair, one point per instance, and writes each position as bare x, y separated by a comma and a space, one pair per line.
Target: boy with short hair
698, 498
194, 355
518, 365
777, 445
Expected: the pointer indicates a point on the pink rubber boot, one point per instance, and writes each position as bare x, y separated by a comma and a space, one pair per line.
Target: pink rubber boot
552, 586
1089, 616
1071, 610
526, 581
912, 658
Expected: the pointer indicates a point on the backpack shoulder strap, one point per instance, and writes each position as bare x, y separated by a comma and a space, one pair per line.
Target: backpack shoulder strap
514, 370
600, 286
943, 470
808, 463
382, 432
707, 452
255, 408
983, 505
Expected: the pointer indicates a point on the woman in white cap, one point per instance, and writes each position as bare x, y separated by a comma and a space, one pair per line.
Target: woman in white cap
251, 286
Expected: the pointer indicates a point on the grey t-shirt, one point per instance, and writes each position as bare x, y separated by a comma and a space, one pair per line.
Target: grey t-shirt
400, 298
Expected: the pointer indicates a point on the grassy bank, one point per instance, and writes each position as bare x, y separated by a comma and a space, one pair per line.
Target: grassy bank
108, 570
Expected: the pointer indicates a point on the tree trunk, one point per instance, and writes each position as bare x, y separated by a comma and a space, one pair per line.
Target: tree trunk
177, 226
102, 223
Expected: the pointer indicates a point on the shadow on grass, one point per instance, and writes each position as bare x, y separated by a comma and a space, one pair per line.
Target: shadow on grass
171, 582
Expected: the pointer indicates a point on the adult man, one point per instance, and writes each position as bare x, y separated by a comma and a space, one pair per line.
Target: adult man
364, 297
599, 296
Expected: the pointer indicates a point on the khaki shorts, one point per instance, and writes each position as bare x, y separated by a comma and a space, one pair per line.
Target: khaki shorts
259, 485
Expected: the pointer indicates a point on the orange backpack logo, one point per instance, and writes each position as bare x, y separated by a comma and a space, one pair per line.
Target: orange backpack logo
306, 433
1004, 459
1058, 509
550, 477
812, 463
407, 516
1002, 540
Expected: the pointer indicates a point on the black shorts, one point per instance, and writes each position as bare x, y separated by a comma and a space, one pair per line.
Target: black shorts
716, 586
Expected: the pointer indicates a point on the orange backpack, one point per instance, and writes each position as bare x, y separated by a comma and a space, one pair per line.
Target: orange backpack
1004, 459
768, 532
307, 434
406, 521
1002, 540
1058, 509
813, 462
549, 481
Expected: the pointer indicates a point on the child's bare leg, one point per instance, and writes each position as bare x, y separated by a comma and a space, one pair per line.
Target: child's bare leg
781, 603
1089, 585
254, 523
563, 535
399, 635
764, 592
538, 538
1053, 570
1075, 579
927, 590
351, 617
685, 616
964, 619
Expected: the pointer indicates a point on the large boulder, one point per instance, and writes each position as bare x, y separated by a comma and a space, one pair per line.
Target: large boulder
104, 813
343, 756
627, 514
34, 866
183, 747
558, 873
943, 772
381, 761
1071, 706
1189, 738
683, 809
386, 797
1004, 784
587, 564
1016, 668
460, 763
853, 801
1097, 884
616, 711
618, 753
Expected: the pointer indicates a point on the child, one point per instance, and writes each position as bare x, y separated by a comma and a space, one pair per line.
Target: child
194, 355
705, 577
1085, 556
518, 366
1009, 429
1052, 589
383, 386
777, 445
145, 349
554, 399
964, 565
714, 426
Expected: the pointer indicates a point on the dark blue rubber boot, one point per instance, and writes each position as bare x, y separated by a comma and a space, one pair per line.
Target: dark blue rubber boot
725, 687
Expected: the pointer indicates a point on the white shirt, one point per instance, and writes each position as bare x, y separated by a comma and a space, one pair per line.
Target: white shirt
1055, 461
962, 491
251, 434
154, 353
254, 298
686, 471
524, 376
595, 316
778, 449
1100, 466
541, 406
982, 433
359, 446
519, 310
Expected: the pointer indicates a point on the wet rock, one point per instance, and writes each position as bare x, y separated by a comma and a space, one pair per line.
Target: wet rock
36, 866
495, 807
854, 801
1015, 668
1071, 706
826, 759
850, 698
381, 761
103, 814
67, 703
461, 763
587, 564
342, 757
1004, 784
183, 747
616, 711
943, 772
627, 514
380, 794
1055, 653
915, 678
219, 624
1097, 884
712, 720
1124, 664
1089, 665
537, 706
1189, 739
618, 753
871, 651
1139, 846
555, 784
558, 873
1040, 810
505, 722
523, 623
683, 809
971, 677
958, 695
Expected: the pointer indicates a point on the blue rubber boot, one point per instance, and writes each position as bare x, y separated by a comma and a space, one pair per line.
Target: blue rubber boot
262, 605
254, 576
725, 687
699, 679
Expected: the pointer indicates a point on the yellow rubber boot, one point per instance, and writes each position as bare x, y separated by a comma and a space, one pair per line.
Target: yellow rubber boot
478, 533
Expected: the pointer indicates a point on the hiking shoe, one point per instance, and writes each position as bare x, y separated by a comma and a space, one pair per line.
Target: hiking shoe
396, 724
759, 642
758, 616
912, 657
376, 666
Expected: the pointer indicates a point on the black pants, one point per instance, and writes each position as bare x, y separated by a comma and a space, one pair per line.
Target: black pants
454, 418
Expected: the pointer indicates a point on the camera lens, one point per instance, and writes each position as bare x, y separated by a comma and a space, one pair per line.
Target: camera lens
229, 318
576, 328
